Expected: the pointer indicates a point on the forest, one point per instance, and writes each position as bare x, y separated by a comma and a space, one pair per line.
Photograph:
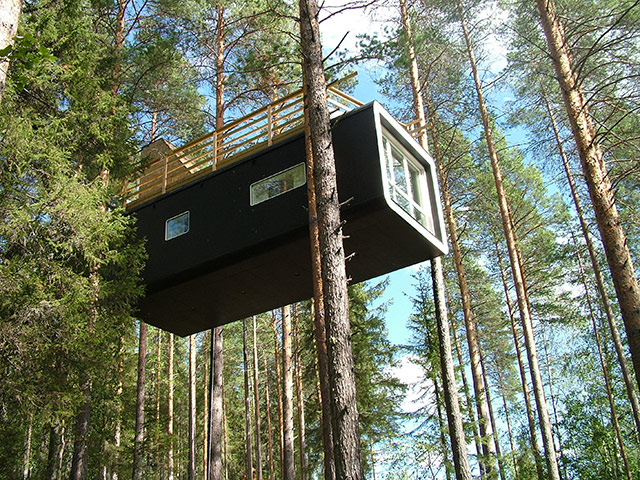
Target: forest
526, 335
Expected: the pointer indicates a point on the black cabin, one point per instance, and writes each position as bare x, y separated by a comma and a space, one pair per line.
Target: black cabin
235, 242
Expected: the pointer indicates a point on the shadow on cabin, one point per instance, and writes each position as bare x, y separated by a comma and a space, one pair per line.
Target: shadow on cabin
231, 239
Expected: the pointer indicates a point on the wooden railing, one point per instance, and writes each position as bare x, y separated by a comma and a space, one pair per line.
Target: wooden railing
226, 145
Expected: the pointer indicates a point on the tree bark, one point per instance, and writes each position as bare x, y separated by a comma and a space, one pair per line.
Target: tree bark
317, 308
55, 441
346, 437
216, 395
269, 430
10, 11
302, 447
597, 273
601, 191
452, 405
139, 429
454, 417
170, 464
256, 402
441, 425
516, 270
206, 387
605, 373
287, 397
26, 463
496, 438
523, 376
487, 458
279, 387
508, 422
191, 471
247, 405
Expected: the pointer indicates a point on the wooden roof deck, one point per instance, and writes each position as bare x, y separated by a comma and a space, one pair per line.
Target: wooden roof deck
231, 143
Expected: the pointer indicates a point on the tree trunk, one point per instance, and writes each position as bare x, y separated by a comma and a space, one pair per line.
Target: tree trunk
256, 396
80, 460
287, 397
247, 405
170, 464
191, 475
467, 394
454, 417
344, 409
300, 402
521, 367
55, 441
216, 395
508, 421
603, 200
597, 272
518, 276
139, 429
486, 460
279, 388
156, 442
496, 438
605, 373
206, 343
443, 440
452, 405
26, 463
269, 430
10, 11
317, 307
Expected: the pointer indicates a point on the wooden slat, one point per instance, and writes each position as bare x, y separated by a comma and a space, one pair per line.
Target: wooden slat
230, 143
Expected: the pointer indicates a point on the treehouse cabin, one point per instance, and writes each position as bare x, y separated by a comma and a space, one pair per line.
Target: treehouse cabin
226, 223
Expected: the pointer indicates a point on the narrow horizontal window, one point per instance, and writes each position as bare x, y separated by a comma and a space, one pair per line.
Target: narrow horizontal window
176, 226
277, 184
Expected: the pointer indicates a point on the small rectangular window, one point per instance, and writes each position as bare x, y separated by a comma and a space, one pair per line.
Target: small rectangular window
176, 226
277, 184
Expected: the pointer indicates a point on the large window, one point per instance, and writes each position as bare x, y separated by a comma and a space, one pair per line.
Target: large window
407, 183
176, 226
277, 184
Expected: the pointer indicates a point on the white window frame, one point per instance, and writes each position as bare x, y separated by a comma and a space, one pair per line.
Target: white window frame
389, 144
166, 225
252, 200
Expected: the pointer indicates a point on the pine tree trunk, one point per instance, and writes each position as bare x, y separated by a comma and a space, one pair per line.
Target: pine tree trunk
467, 394
441, 425
191, 471
117, 431
317, 308
302, 447
452, 405
454, 417
139, 429
206, 387
523, 376
486, 460
269, 430
10, 11
344, 409
601, 191
216, 395
279, 387
597, 272
508, 422
247, 404
287, 397
158, 461
170, 465
605, 373
26, 462
496, 438
256, 402
55, 441
516, 270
